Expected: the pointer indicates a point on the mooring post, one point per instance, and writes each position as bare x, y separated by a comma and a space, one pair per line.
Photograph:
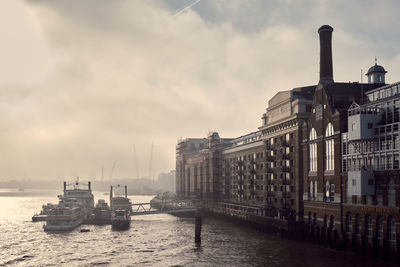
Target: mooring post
197, 234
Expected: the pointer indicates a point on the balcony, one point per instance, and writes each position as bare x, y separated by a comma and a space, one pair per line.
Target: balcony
270, 194
285, 169
286, 143
287, 194
285, 156
269, 146
270, 158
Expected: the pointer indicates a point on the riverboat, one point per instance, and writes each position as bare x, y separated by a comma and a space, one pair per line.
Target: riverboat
63, 218
82, 196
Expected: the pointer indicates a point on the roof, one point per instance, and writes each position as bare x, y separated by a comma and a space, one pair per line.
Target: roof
341, 95
376, 69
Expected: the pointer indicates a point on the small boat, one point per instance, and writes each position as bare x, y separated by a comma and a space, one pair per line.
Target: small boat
121, 208
101, 212
120, 219
85, 230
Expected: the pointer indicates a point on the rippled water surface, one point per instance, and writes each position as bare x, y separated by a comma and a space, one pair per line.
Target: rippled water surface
152, 240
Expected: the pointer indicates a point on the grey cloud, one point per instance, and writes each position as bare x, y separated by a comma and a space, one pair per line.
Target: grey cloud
129, 73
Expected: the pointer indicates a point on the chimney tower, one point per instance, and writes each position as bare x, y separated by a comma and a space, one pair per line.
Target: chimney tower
325, 61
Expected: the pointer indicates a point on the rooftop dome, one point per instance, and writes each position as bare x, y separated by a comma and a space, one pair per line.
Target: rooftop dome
376, 69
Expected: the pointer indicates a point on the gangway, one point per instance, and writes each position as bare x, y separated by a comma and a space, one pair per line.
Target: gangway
170, 207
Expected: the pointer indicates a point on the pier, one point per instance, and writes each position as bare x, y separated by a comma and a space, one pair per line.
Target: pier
170, 207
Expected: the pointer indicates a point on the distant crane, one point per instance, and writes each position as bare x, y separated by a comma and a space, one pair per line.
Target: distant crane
137, 168
151, 159
112, 170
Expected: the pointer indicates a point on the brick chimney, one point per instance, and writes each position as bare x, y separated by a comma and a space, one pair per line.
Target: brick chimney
325, 61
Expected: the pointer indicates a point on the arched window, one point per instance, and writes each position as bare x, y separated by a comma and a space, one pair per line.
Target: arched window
315, 190
349, 223
358, 224
368, 225
327, 190
331, 222
379, 227
391, 228
313, 151
391, 194
329, 148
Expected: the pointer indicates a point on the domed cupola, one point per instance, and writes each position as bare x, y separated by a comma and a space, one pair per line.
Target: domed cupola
376, 74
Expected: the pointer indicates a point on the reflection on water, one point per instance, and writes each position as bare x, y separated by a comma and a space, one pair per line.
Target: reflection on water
152, 240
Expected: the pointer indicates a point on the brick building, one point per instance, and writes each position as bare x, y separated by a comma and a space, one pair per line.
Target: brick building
326, 157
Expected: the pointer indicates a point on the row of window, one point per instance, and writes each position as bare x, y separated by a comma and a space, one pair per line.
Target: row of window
329, 191
287, 137
387, 162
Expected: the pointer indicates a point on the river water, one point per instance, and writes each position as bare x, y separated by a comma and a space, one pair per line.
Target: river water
152, 240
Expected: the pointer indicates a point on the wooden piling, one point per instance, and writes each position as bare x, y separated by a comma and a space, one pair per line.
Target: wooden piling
197, 234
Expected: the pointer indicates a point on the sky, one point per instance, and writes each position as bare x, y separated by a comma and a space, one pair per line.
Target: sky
85, 84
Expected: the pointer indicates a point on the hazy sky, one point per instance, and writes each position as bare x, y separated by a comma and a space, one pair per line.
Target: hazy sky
82, 82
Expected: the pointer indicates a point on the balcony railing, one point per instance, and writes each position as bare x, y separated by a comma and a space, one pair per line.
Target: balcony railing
285, 169
270, 158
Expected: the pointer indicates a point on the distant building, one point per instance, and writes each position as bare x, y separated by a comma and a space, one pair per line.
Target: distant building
166, 181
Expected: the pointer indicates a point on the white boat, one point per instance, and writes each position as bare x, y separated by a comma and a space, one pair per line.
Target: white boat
63, 218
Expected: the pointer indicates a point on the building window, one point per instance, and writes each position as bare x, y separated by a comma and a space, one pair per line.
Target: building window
329, 149
313, 151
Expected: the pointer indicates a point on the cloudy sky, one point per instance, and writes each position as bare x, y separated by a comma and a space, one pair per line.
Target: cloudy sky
83, 82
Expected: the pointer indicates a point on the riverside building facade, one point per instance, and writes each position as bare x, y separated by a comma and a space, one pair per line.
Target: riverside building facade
370, 165
324, 164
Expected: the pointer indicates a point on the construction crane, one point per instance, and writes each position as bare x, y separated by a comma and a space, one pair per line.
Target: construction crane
137, 168
151, 160
112, 170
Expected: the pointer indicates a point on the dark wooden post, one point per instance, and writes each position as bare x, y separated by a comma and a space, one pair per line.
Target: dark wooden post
197, 234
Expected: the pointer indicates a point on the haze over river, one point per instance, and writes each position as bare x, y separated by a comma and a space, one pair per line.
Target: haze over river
152, 240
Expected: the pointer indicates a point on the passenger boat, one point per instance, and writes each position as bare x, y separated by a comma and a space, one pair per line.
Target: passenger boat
121, 208
82, 196
120, 219
63, 218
